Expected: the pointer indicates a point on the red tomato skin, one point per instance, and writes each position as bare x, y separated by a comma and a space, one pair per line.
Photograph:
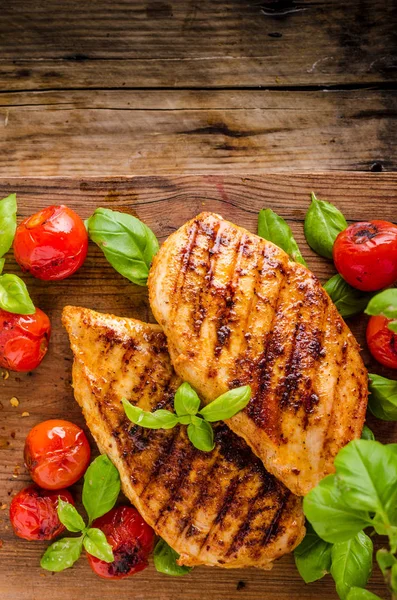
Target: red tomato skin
52, 244
382, 342
33, 513
57, 454
365, 254
131, 538
23, 340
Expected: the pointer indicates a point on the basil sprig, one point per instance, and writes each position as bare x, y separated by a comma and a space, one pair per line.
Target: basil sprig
346, 298
8, 222
274, 228
362, 493
187, 412
14, 296
313, 556
323, 222
382, 401
100, 491
385, 304
128, 244
165, 558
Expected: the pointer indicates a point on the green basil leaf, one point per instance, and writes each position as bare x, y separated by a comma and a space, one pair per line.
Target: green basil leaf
384, 303
69, 516
227, 405
323, 222
394, 578
8, 222
360, 594
62, 554
351, 563
392, 326
201, 434
2, 262
367, 433
332, 519
14, 296
368, 473
385, 560
96, 544
274, 228
159, 419
128, 244
165, 558
382, 401
313, 556
186, 401
101, 487
347, 299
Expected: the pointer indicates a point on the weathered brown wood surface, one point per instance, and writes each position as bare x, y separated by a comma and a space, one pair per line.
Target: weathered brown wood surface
182, 86
164, 203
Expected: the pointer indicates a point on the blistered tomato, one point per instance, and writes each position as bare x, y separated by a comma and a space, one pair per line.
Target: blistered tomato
365, 254
23, 340
52, 244
33, 513
131, 539
382, 342
56, 453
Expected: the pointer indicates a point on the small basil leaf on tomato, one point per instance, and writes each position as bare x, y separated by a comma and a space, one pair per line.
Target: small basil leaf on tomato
312, 556
69, 516
367, 433
128, 244
96, 544
382, 401
392, 326
159, 419
62, 554
165, 560
101, 487
351, 563
323, 222
227, 405
14, 296
275, 229
361, 594
201, 434
186, 400
8, 222
384, 304
347, 299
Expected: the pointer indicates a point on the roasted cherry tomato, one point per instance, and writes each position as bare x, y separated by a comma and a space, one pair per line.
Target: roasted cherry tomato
23, 340
132, 541
382, 342
51, 244
33, 513
365, 254
57, 454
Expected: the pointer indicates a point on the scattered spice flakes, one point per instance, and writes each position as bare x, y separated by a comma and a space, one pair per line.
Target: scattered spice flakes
4, 443
25, 414
3, 506
14, 401
16, 471
5, 375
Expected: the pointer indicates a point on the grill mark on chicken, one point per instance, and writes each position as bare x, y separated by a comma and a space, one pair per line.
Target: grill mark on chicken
201, 311
271, 530
186, 254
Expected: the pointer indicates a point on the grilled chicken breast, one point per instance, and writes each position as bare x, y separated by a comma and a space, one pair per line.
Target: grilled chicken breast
236, 310
219, 508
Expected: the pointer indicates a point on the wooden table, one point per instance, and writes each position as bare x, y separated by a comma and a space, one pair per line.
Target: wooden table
125, 87
164, 203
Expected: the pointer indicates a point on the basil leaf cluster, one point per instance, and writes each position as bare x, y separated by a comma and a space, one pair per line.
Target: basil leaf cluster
14, 296
323, 223
100, 491
128, 244
346, 298
165, 560
385, 304
187, 412
274, 228
382, 401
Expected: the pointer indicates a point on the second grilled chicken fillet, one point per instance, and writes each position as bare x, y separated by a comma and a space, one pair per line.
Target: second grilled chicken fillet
218, 508
236, 310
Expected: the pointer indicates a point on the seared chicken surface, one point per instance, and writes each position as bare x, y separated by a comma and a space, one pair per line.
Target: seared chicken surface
219, 508
236, 310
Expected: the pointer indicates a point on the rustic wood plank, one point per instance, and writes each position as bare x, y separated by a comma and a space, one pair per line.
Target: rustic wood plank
228, 43
164, 203
144, 132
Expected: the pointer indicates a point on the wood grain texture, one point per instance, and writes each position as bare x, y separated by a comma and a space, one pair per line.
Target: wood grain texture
164, 203
145, 132
167, 43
